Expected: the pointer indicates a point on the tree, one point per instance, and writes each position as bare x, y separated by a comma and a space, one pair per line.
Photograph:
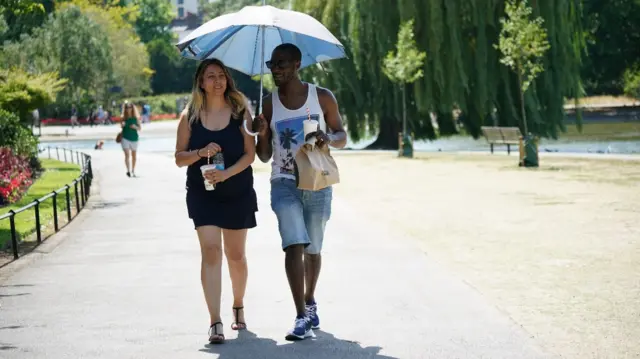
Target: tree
461, 74
612, 34
523, 43
21, 93
153, 20
128, 55
405, 66
22, 16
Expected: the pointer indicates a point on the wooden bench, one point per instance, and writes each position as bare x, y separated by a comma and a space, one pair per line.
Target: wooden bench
502, 136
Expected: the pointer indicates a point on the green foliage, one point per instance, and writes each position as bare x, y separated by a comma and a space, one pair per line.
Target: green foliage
632, 82
267, 82
153, 21
161, 104
213, 9
17, 136
129, 57
612, 35
21, 93
405, 66
21, 17
523, 42
171, 72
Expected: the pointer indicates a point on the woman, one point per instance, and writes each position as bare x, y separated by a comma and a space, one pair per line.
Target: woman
211, 124
130, 127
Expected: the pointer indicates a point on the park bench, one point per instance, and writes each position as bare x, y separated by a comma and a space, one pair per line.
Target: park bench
502, 136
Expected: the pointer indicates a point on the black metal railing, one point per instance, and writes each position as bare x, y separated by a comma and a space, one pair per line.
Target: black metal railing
81, 196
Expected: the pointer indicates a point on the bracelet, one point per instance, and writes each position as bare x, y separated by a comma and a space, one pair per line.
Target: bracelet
198, 152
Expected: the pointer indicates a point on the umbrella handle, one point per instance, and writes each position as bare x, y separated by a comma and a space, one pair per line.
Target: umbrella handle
250, 133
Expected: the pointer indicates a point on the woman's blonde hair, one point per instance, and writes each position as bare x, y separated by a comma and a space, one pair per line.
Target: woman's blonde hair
234, 98
132, 113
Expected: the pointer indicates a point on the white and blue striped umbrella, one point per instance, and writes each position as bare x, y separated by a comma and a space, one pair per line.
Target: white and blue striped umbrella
241, 40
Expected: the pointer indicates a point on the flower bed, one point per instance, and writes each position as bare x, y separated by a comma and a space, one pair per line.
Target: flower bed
15, 176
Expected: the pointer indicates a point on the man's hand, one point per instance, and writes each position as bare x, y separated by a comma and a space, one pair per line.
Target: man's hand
260, 125
322, 139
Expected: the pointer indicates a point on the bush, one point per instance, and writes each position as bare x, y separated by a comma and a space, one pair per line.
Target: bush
632, 82
15, 176
16, 136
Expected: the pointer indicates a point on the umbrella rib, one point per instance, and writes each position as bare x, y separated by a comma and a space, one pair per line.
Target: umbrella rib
214, 48
255, 48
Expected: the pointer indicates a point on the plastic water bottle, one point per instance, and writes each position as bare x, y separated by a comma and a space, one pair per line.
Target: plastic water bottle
218, 161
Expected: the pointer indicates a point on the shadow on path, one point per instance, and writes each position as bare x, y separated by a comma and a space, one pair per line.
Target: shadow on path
325, 345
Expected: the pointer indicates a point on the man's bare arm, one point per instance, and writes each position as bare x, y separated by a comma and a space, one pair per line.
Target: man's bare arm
337, 135
262, 124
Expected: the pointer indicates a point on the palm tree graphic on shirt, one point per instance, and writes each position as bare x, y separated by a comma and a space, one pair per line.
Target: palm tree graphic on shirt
288, 138
291, 136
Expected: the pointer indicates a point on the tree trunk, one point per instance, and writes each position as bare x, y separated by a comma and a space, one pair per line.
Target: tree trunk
524, 115
404, 111
388, 135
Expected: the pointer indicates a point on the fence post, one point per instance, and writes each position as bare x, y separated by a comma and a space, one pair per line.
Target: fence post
68, 203
75, 190
77, 157
55, 211
57, 154
38, 232
49, 150
82, 198
14, 237
64, 152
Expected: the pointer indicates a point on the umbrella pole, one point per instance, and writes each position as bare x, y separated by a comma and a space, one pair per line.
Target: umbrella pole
262, 29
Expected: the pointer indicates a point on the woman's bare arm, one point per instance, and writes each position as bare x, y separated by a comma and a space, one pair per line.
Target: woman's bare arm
182, 155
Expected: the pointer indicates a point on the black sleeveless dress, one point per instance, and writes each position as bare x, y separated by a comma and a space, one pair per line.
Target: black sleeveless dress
233, 203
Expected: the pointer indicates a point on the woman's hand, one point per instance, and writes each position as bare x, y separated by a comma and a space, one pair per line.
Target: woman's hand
216, 176
209, 150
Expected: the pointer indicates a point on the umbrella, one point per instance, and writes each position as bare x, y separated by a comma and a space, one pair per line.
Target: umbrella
241, 39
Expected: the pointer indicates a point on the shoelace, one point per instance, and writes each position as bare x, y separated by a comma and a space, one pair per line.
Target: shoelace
310, 309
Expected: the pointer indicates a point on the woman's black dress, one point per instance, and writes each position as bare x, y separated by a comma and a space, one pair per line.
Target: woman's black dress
233, 203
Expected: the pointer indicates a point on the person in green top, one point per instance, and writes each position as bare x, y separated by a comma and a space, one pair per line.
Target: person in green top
131, 126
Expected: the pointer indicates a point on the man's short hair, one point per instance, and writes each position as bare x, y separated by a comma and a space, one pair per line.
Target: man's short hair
291, 49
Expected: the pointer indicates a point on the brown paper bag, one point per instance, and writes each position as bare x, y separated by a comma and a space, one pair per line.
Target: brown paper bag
314, 168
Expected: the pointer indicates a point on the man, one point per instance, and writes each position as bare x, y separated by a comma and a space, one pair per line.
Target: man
302, 215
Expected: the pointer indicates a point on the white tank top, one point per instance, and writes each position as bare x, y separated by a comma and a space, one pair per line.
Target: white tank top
288, 132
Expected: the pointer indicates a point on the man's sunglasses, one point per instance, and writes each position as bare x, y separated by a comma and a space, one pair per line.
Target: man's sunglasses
281, 64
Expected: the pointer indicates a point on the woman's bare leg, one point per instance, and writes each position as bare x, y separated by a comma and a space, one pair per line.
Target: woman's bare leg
234, 249
126, 160
134, 156
211, 268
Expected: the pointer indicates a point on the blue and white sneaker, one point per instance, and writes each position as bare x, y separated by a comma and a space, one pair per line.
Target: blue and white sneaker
301, 329
311, 309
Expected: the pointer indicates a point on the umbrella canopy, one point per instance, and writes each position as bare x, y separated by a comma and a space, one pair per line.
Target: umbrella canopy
242, 39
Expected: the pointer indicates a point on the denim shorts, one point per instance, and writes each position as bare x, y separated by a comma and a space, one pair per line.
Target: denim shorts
302, 215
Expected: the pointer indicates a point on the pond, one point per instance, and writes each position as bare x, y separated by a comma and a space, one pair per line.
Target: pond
167, 144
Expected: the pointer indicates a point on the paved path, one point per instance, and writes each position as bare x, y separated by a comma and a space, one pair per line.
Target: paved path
124, 283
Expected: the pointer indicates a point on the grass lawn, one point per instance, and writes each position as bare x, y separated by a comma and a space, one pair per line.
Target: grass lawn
55, 176
556, 247
603, 131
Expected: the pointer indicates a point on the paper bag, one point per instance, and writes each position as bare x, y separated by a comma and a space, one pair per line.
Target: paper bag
314, 168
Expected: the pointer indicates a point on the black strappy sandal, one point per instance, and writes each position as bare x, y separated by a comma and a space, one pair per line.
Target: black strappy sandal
236, 325
214, 336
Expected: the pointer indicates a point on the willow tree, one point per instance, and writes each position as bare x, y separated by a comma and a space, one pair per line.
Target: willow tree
462, 73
